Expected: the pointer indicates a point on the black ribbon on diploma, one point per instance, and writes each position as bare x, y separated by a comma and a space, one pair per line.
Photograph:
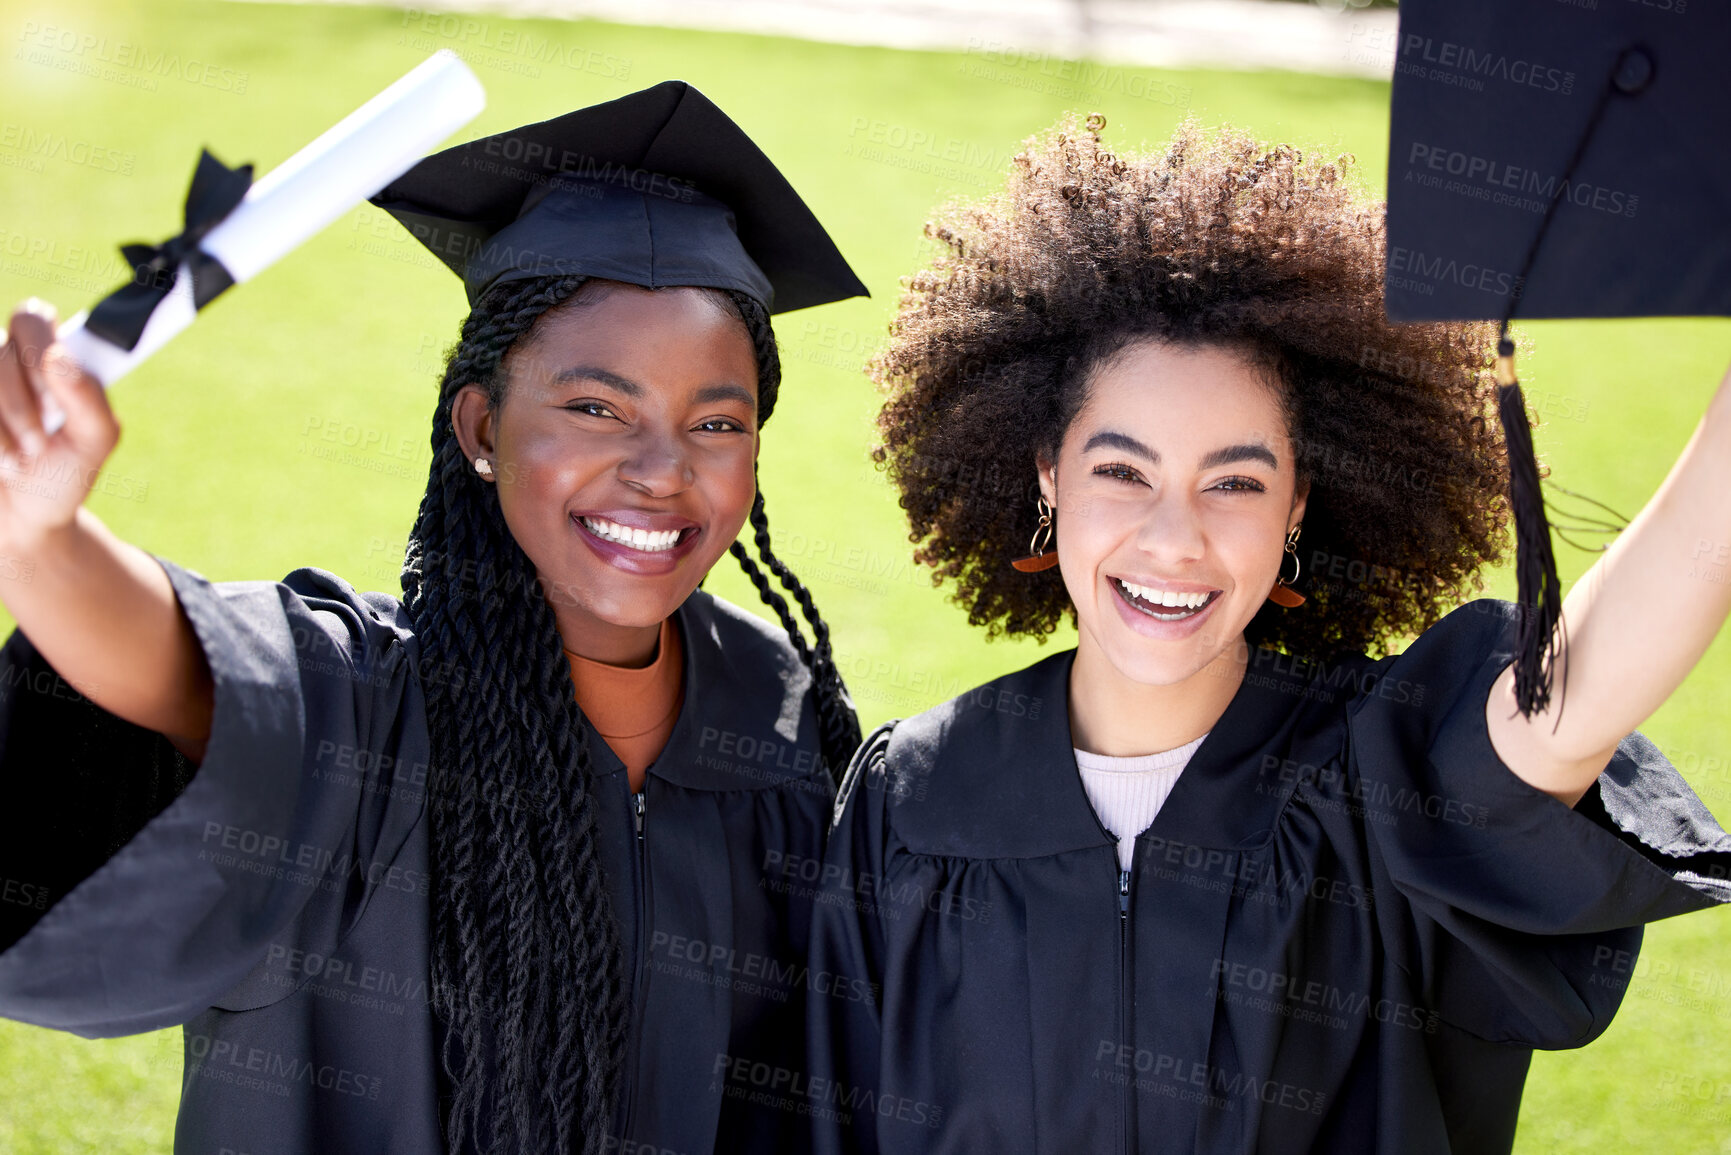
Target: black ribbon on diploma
216, 190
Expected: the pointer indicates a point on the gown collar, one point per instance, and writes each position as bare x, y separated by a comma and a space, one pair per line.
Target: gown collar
746, 721
992, 773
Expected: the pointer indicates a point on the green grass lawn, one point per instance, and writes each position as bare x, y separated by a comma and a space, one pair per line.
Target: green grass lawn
289, 427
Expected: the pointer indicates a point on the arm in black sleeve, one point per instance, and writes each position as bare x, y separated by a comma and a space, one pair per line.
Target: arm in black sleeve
1514, 908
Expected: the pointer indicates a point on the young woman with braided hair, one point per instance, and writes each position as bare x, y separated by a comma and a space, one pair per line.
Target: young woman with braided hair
503, 866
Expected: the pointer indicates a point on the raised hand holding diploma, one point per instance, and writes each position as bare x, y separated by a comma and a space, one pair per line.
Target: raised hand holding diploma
234, 231
102, 596
33, 366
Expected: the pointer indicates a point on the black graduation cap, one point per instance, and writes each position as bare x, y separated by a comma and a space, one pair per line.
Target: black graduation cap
1556, 158
655, 188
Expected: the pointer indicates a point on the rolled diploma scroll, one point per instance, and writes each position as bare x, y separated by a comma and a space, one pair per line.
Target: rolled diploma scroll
354, 159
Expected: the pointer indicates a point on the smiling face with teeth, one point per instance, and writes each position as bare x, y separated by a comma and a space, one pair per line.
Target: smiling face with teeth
1175, 487
623, 446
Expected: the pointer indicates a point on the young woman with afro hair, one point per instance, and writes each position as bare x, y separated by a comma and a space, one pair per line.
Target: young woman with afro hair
1215, 880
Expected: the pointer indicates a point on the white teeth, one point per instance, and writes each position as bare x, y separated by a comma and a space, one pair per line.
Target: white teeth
1170, 598
647, 540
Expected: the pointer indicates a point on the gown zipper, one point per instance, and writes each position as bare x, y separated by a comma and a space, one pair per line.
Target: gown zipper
1125, 998
640, 978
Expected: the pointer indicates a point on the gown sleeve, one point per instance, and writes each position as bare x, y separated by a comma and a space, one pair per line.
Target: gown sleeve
847, 959
1519, 916
164, 886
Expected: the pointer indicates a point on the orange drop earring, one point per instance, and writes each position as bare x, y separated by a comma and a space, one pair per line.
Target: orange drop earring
1283, 594
1038, 559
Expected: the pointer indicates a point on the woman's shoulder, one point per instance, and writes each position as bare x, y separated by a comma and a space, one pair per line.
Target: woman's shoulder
750, 697
321, 585
730, 623
1431, 666
311, 618
994, 717
317, 588
1473, 640
1476, 626
973, 776
734, 643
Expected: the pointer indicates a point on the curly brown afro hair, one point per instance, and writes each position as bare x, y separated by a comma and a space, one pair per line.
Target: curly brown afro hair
1220, 241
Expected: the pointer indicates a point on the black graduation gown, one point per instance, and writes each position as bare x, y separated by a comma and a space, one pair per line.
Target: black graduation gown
1346, 929
276, 901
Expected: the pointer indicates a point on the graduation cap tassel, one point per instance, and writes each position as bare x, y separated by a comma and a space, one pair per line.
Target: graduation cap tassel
1539, 591
1575, 521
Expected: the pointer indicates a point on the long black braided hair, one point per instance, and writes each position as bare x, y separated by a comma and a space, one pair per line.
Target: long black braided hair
526, 968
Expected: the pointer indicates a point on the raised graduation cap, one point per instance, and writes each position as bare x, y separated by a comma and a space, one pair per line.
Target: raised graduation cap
1556, 160
656, 188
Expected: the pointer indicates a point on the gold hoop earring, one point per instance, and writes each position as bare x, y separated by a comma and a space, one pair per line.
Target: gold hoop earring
1038, 559
1283, 594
